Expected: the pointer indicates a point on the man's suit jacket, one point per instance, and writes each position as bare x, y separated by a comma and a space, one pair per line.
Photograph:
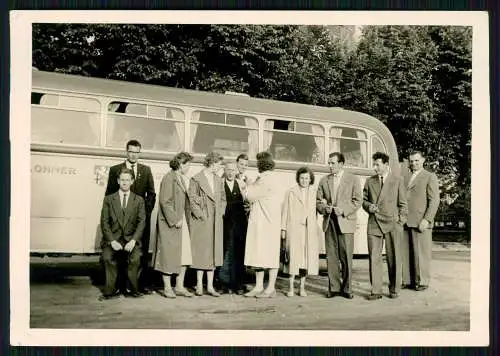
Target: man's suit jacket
348, 199
391, 202
423, 198
144, 184
122, 226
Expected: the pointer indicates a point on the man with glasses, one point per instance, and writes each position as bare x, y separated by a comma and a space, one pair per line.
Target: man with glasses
143, 185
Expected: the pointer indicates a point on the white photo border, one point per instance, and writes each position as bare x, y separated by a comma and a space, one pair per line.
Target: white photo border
21, 65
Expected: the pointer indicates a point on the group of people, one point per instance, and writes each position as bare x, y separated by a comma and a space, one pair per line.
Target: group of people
220, 226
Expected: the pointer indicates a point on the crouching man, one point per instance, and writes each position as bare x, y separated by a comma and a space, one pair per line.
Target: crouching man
123, 218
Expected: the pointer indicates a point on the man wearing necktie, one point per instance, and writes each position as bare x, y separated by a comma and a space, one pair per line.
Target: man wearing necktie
384, 199
143, 185
338, 200
423, 203
123, 218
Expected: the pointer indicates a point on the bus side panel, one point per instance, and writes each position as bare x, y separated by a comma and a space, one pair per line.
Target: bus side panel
67, 194
60, 198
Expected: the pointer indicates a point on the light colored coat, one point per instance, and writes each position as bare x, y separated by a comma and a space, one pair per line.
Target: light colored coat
296, 215
262, 247
349, 198
207, 209
423, 198
173, 203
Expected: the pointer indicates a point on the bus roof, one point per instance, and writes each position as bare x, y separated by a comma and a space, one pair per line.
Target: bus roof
147, 92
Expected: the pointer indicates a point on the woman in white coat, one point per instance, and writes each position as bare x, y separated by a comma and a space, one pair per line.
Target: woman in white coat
298, 230
262, 247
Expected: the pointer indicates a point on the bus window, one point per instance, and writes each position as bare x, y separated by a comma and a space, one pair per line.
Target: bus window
64, 119
377, 145
157, 128
295, 141
227, 134
352, 143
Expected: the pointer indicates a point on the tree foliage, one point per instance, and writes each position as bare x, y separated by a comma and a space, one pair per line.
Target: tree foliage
415, 79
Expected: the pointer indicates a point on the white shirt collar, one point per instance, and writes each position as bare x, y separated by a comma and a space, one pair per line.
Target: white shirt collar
384, 176
129, 165
230, 184
417, 172
339, 174
122, 193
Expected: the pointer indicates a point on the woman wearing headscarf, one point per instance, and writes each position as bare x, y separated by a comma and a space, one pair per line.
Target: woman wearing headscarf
208, 204
262, 247
172, 253
298, 230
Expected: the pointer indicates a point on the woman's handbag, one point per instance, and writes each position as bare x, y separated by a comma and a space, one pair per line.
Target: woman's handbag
284, 255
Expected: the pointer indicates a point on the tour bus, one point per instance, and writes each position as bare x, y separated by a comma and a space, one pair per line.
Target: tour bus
80, 125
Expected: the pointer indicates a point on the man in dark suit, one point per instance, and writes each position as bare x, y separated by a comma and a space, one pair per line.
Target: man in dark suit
143, 185
423, 202
338, 200
384, 199
232, 272
123, 218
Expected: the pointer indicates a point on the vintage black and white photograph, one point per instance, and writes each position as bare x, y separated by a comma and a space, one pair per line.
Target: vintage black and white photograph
206, 174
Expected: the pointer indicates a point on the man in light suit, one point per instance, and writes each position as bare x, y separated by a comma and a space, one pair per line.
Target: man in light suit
338, 199
123, 219
423, 202
384, 199
143, 185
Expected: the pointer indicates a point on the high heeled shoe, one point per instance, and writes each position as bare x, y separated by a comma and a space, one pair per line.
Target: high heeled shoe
183, 292
266, 294
213, 293
167, 294
253, 292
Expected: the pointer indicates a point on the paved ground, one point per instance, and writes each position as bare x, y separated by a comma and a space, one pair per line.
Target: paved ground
62, 296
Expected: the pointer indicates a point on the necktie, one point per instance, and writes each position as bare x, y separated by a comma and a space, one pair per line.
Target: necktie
132, 166
381, 182
124, 202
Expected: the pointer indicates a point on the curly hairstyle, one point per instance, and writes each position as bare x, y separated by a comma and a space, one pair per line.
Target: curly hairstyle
211, 158
340, 156
265, 161
180, 158
382, 156
303, 170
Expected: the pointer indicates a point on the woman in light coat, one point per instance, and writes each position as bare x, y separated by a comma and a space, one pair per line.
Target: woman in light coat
172, 252
298, 230
262, 247
208, 204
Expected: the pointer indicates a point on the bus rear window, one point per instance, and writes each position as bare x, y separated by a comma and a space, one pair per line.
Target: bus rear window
295, 141
352, 143
65, 119
378, 145
227, 134
158, 128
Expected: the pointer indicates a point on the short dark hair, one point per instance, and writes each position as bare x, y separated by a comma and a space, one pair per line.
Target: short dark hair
180, 158
265, 161
340, 156
303, 170
134, 143
416, 152
381, 155
242, 156
126, 170
211, 158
